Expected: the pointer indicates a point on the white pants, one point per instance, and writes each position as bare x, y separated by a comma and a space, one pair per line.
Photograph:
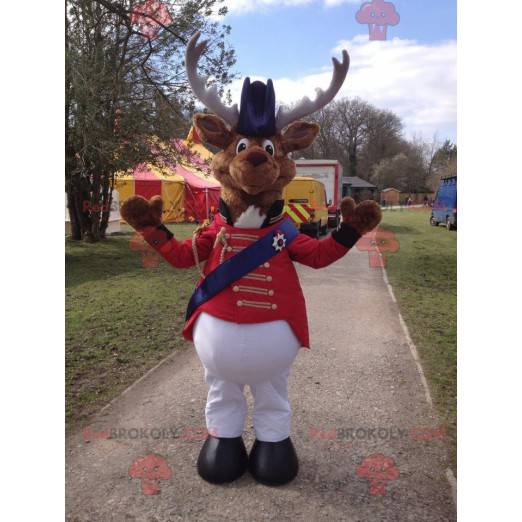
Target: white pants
235, 355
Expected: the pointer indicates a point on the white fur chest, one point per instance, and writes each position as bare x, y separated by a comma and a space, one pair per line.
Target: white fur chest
252, 217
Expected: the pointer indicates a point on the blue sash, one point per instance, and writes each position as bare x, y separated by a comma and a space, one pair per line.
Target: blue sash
242, 263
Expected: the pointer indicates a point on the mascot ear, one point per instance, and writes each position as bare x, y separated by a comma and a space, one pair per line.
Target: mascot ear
299, 135
212, 129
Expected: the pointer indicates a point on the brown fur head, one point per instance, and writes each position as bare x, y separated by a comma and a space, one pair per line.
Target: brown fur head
254, 170
251, 170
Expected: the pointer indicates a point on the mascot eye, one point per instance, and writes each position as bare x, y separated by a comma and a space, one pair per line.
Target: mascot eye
269, 147
242, 145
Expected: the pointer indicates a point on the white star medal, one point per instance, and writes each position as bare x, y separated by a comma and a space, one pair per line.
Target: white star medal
279, 242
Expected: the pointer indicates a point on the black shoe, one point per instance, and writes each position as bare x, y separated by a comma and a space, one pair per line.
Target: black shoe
222, 460
273, 463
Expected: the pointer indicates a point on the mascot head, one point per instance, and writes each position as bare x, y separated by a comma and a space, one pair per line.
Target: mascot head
253, 164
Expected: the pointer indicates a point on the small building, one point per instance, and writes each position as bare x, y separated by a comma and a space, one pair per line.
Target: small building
359, 189
390, 197
420, 198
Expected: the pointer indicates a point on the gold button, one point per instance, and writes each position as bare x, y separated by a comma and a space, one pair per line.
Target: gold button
269, 278
236, 288
267, 265
239, 303
274, 307
270, 292
229, 249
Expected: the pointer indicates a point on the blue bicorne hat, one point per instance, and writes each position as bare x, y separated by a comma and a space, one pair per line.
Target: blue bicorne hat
257, 110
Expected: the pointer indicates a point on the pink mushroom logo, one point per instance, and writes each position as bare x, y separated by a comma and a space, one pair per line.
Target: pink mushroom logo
378, 470
89, 434
150, 16
151, 469
378, 15
149, 258
378, 243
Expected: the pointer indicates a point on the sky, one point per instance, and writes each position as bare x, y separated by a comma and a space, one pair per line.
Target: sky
413, 72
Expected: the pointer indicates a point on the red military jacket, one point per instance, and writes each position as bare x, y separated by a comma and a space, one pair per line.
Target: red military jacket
270, 292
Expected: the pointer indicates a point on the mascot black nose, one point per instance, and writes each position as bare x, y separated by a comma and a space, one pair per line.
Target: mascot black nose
255, 158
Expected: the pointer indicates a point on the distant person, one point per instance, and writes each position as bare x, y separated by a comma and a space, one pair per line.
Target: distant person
425, 201
409, 201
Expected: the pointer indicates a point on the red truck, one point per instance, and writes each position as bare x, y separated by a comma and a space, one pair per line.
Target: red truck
330, 173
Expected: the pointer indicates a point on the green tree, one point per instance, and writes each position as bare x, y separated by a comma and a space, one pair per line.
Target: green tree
125, 86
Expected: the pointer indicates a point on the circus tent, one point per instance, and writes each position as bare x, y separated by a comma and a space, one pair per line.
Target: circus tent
188, 189
148, 180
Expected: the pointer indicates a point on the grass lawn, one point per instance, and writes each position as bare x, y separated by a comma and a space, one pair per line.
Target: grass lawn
423, 274
121, 318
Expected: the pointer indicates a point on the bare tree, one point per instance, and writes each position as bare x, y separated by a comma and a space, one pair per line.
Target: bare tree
430, 150
357, 134
444, 164
382, 139
353, 119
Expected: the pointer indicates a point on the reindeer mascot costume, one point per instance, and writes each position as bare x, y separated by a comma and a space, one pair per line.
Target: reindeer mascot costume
247, 316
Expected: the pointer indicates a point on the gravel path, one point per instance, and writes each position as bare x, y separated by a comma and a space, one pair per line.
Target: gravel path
356, 393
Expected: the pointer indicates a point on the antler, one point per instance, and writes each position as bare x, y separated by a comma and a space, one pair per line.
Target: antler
306, 107
210, 96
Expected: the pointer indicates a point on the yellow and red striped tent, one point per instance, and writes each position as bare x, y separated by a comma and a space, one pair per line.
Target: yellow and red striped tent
148, 180
187, 187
